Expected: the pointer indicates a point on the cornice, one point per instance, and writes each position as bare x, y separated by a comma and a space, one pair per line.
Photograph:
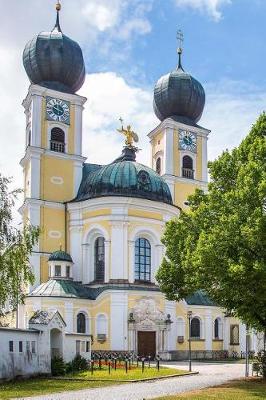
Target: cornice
36, 152
170, 123
37, 90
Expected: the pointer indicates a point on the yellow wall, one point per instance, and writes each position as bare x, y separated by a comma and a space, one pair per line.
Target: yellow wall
217, 344
144, 214
56, 167
52, 219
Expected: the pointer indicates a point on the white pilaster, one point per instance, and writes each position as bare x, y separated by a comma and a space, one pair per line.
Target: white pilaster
131, 258
36, 120
69, 317
208, 330
119, 251
119, 323
242, 337
204, 160
78, 129
169, 151
226, 334
75, 251
107, 246
170, 308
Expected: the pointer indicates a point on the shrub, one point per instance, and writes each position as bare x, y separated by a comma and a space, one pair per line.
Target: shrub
58, 366
77, 364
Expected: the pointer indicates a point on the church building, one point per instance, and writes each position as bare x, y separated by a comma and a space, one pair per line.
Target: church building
101, 225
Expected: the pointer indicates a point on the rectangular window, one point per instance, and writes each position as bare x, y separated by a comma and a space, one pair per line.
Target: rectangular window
77, 346
33, 347
27, 346
68, 271
57, 270
11, 346
20, 347
88, 347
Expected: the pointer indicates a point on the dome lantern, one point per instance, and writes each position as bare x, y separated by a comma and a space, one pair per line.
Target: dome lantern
53, 60
178, 94
60, 265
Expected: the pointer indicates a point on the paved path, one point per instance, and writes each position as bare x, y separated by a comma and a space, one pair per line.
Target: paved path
209, 375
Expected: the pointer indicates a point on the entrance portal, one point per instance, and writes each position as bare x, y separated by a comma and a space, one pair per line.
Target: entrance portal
146, 344
56, 343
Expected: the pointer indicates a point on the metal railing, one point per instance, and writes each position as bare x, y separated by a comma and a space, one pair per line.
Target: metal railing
57, 146
188, 173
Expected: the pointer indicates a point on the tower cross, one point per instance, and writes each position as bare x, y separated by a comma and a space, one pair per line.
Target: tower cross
180, 39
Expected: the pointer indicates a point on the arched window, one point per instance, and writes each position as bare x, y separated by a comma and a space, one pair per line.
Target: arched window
101, 325
158, 165
142, 260
187, 167
195, 328
99, 259
57, 140
216, 329
81, 323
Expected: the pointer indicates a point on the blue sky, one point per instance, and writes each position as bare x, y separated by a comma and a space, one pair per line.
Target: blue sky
128, 45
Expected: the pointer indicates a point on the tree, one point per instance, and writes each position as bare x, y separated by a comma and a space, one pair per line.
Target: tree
15, 248
219, 246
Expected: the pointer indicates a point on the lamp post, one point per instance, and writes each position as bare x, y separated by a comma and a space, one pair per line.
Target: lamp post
189, 316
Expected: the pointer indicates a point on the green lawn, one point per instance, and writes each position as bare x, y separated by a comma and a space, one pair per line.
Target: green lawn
38, 386
248, 389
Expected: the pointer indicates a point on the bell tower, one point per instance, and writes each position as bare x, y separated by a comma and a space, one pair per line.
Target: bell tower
52, 164
178, 143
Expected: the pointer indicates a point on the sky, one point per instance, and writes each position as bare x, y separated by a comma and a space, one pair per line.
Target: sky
128, 45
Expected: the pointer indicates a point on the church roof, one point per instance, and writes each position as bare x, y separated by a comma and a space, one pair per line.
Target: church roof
199, 298
60, 255
53, 60
123, 177
179, 94
67, 288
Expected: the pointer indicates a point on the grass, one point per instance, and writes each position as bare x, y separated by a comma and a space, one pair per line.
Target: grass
38, 386
247, 389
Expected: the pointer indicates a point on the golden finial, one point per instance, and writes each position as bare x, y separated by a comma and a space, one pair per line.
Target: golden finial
58, 6
130, 135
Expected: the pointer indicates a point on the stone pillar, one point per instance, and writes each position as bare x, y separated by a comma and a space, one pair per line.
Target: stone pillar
75, 251
87, 268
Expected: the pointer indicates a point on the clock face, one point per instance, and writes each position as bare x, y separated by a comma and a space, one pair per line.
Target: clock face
187, 141
57, 110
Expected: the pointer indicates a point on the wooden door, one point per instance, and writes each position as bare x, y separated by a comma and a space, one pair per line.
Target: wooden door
146, 344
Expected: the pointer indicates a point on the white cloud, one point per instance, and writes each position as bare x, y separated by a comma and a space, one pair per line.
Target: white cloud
211, 7
110, 97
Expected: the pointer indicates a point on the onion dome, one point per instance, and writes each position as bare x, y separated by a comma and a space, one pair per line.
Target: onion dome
123, 177
53, 60
60, 255
179, 95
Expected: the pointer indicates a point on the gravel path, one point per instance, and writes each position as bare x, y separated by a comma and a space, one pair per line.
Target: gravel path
209, 375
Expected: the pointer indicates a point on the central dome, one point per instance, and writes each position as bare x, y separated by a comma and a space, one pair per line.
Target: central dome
53, 60
124, 177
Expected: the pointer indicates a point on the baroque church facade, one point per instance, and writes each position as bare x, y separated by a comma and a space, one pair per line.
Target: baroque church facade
101, 225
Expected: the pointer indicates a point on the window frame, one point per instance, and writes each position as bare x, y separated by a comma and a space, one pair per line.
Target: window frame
79, 324
192, 328
99, 259
142, 260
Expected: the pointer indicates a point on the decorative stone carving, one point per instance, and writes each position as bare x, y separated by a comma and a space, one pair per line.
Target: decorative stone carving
146, 313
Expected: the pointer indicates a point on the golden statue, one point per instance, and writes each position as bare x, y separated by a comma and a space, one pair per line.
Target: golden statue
130, 135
